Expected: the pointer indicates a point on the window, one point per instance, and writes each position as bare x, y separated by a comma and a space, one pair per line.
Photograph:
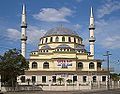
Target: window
103, 78
34, 65
75, 40
91, 65
84, 78
33, 79
80, 65
43, 79
57, 39
98, 65
94, 78
69, 39
42, 41
78, 40
46, 40
46, 65
67, 49
51, 39
63, 38
54, 79
74, 78
22, 79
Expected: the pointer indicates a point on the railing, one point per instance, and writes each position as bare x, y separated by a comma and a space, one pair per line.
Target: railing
105, 69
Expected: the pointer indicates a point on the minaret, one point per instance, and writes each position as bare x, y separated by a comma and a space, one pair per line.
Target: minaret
23, 31
91, 29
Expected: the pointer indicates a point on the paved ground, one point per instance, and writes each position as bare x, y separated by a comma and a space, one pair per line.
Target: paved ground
115, 91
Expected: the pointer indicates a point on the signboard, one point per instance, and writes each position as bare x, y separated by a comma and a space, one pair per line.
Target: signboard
64, 63
64, 74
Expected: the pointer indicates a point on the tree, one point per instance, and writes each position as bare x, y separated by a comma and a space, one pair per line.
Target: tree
12, 64
60, 80
69, 81
115, 77
28, 81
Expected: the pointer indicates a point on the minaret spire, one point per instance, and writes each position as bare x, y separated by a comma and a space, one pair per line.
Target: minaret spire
23, 9
23, 31
91, 29
91, 15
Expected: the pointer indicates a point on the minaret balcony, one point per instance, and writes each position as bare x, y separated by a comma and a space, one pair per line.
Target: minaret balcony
24, 38
91, 39
92, 26
24, 25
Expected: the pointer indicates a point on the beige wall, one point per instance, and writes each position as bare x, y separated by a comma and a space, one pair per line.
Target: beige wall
51, 58
60, 39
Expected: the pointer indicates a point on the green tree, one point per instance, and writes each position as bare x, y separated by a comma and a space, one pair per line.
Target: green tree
12, 64
69, 81
60, 80
115, 77
28, 81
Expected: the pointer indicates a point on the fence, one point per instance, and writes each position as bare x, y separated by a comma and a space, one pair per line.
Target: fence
64, 86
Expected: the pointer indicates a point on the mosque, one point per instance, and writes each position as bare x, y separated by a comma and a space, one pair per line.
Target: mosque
62, 55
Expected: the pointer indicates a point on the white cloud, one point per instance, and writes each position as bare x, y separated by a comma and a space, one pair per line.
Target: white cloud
77, 27
112, 42
108, 8
53, 15
107, 33
33, 34
13, 34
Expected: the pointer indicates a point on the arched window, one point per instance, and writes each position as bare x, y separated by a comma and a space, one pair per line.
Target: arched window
51, 39
34, 65
78, 40
80, 65
63, 38
46, 40
69, 39
42, 41
57, 39
45, 65
91, 65
75, 40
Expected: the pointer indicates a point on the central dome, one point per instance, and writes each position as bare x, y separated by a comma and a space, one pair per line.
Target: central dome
60, 31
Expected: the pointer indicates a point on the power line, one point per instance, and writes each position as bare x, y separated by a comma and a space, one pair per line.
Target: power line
108, 69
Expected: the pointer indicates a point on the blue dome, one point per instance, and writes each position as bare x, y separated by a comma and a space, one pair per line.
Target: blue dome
60, 31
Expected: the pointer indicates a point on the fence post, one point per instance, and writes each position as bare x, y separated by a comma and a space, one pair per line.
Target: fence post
0, 82
118, 85
98, 84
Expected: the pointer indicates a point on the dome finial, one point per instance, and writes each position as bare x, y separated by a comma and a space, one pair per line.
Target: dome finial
61, 25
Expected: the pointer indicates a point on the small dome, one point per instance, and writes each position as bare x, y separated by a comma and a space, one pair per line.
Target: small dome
79, 47
46, 47
63, 46
60, 31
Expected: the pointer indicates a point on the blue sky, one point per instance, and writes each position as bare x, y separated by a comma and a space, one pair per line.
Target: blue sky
43, 15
